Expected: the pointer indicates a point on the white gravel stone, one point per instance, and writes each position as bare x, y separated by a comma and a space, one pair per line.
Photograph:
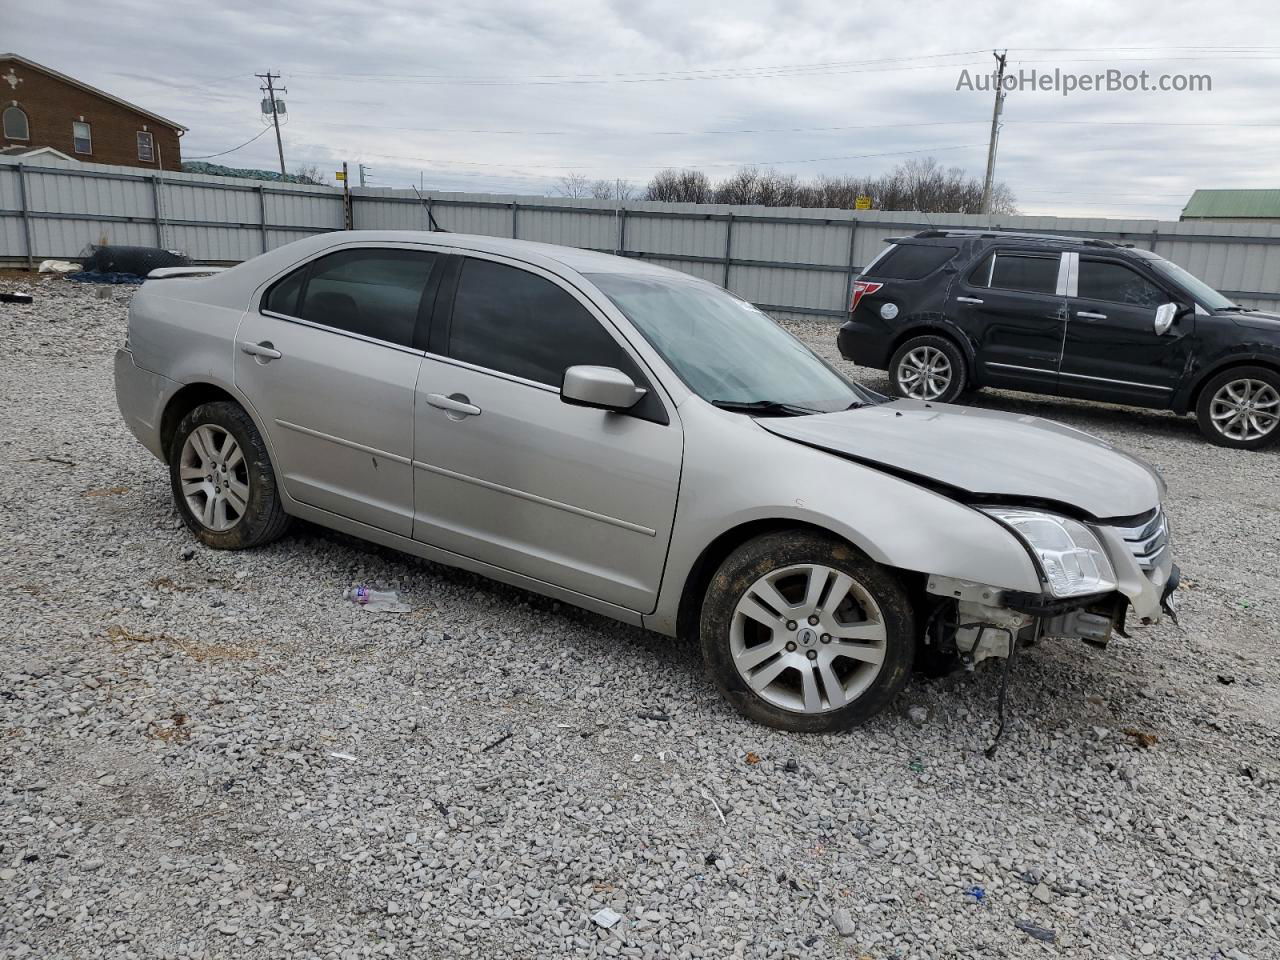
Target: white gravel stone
215, 714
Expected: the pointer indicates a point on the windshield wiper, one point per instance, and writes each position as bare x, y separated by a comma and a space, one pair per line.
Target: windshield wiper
1234, 308
766, 407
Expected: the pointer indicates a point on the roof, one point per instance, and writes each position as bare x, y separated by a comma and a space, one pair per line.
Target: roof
1226, 204
24, 152
91, 89
547, 255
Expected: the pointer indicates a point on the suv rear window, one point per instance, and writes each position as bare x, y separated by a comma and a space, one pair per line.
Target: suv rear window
1026, 273
911, 261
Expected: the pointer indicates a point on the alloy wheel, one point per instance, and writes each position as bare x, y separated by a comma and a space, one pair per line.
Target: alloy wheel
1245, 410
214, 477
808, 638
925, 373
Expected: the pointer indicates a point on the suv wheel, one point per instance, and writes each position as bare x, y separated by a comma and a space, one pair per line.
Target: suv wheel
928, 368
1241, 408
802, 632
222, 479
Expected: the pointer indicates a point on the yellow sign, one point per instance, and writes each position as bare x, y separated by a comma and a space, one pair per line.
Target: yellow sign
862, 203
340, 175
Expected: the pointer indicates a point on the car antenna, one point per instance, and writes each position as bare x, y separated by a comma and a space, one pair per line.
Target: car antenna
430, 216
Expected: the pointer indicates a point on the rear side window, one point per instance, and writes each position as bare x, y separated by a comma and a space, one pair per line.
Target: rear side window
1116, 283
911, 261
516, 322
374, 293
1025, 273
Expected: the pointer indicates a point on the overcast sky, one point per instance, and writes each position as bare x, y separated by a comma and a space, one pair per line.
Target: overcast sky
509, 96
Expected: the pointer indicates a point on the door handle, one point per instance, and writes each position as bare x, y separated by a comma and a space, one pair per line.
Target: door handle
969, 300
458, 403
264, 350
1086, 315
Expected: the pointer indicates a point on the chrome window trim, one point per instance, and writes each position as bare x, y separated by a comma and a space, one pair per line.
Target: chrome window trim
340, 332
489, 371
1064, 275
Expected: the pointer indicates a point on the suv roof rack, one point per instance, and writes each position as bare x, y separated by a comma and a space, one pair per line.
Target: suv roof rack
1017, 235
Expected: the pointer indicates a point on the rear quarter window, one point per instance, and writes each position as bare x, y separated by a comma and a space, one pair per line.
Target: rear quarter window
911, 261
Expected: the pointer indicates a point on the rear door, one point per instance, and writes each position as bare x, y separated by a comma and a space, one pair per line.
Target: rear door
329, 363
510, 474
1112, 351
1012, 304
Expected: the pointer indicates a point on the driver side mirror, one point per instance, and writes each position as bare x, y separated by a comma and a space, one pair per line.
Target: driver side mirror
1165, 315
605, 388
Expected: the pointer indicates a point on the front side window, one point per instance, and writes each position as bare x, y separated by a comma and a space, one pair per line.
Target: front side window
15, 125
1208, 297
373, 293
1116, 283
82, 137
146, 147
518, 323
1019, 272
723, 348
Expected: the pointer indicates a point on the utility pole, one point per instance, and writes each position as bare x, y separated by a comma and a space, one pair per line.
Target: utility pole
995, 131
363, 168
270, 91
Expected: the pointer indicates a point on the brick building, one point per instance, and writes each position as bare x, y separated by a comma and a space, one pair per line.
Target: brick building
40, 107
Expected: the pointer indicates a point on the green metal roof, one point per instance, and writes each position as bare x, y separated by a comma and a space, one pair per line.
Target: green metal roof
1224, 204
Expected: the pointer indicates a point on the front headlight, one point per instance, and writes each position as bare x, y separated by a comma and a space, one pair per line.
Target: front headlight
1070, 555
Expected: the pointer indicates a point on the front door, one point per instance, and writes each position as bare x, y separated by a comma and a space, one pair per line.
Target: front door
509, 474
1012, 305
328, 362
1112, 351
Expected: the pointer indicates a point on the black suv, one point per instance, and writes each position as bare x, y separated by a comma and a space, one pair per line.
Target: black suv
945, 311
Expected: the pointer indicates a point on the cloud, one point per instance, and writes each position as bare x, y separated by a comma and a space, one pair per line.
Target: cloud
509, 96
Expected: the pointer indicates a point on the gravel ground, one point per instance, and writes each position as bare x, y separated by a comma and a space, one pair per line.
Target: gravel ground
208, 754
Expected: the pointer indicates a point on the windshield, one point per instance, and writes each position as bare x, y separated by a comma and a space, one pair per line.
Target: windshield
1208, 297
724, 349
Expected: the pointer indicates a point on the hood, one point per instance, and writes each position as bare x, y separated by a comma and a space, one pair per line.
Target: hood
985, 454
1255, 319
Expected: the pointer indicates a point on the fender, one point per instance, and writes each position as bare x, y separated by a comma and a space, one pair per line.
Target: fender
1253, 351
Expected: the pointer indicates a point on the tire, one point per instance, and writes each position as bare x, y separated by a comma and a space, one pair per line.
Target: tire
1232, 392
923, 353
767, 672
251, 514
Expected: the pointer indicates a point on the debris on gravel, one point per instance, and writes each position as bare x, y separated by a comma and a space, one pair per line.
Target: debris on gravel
247, 767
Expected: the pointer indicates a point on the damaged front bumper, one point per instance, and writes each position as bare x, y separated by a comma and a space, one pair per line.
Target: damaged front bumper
990, 621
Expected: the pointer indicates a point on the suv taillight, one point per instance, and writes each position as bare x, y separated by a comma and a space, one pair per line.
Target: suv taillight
860, 289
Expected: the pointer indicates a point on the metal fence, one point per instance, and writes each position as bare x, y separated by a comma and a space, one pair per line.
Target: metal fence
793, 262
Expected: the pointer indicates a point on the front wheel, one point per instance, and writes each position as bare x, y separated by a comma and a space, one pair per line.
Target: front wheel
222, 479
1240, 408
928, 368
802, 632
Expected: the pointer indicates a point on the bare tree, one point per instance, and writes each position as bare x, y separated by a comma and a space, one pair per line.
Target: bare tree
573, 185
679, 186
920, 184
309, 174
612, 190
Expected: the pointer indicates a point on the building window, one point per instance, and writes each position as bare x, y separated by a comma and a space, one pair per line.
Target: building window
81, 137
146, 149
15, 124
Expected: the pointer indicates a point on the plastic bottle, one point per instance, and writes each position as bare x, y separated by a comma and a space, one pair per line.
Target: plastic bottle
387, 601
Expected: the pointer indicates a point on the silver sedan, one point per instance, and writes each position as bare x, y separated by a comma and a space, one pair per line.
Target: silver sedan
639, 443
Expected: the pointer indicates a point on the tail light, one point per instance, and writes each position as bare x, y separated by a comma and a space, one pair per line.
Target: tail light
860, 289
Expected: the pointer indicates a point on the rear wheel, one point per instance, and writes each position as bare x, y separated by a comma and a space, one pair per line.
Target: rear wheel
222, 479
1240, 408
928, 367
802, 632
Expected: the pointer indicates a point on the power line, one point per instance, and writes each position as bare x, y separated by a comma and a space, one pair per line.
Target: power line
233, 149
